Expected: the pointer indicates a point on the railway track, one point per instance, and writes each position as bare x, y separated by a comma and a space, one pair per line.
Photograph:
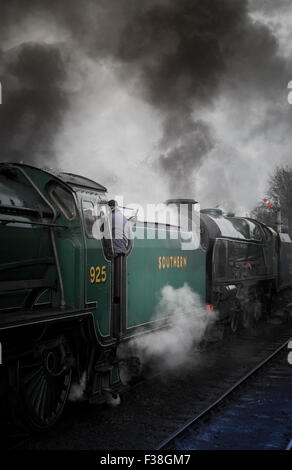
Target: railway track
202, 430
289, 446
149, 405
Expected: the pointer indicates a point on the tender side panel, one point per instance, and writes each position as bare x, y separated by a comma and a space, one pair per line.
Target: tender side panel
154, 264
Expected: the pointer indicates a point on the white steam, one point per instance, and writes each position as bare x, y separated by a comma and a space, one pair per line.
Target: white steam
77, 389
185, 322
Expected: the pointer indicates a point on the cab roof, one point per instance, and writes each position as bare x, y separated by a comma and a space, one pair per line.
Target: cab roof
80, 181
69, 179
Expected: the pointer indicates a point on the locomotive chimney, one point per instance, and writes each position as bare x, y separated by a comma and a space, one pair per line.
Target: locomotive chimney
181, 204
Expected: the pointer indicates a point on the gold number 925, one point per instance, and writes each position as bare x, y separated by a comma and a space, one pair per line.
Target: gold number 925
97, 274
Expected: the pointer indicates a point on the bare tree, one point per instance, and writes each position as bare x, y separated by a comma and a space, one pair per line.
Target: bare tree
265, 214
279, 194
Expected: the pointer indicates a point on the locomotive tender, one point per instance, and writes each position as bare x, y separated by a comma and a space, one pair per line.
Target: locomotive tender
64, 305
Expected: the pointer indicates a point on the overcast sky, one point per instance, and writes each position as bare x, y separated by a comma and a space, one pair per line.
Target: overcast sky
152, 98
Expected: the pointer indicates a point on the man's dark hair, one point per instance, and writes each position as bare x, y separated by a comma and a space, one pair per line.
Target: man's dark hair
113, 203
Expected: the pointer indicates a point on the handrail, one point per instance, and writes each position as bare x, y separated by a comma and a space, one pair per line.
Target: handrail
13, 221
24, 211
129, 246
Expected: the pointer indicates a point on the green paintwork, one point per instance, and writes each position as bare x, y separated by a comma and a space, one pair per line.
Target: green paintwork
26, 251
146, 276
78, 253
96, 291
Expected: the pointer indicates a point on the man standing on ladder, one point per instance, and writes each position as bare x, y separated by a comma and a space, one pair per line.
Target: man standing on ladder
120, 231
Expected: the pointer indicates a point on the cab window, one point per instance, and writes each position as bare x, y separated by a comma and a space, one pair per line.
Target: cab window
64, 201
88, 216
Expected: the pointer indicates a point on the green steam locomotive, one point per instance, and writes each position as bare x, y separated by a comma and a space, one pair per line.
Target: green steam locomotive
65, 305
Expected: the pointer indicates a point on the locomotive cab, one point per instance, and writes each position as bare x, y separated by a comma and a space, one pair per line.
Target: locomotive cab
46, 320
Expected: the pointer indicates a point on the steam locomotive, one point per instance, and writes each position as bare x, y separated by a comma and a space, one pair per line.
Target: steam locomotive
65, 305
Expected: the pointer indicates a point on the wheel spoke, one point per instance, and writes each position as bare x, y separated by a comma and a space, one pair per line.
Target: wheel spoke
29, 393
44, 384
35, 396
43, 412
40, 396
54, 398
29, 377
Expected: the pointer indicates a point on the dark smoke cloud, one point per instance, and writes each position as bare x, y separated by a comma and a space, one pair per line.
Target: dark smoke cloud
33, 102
186, 141
177, 49
181, 54
186, 53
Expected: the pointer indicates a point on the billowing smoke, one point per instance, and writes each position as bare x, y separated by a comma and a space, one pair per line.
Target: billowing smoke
185, 143
180, 90
184, 323
33, 102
